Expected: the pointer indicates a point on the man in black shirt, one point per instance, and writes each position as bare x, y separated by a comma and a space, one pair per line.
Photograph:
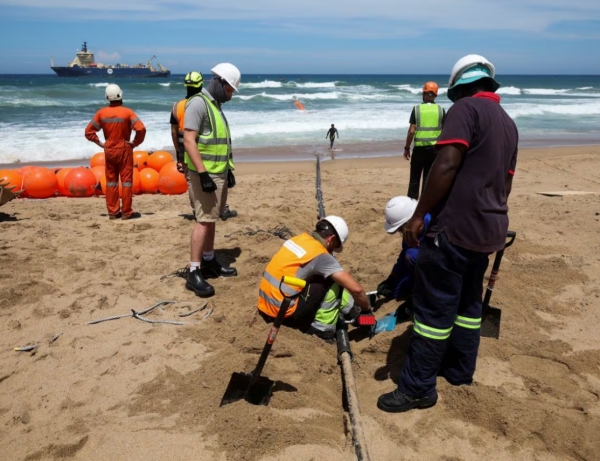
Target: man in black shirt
466, 194
426, 121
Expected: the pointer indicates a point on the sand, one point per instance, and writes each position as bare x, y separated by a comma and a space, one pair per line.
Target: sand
129, 390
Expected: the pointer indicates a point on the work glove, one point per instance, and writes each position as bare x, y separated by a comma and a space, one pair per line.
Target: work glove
230, 179
384, 289
208, 185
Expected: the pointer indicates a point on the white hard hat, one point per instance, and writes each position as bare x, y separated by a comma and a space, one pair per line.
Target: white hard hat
341, 229
229, 73
398, 211
113, 92
469, 69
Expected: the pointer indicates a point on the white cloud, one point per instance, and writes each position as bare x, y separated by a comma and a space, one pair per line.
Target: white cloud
521, 15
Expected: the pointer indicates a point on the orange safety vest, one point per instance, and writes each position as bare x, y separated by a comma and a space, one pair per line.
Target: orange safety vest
295, 253
178, 113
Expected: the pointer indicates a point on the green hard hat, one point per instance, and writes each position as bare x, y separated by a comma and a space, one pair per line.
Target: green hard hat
193, 79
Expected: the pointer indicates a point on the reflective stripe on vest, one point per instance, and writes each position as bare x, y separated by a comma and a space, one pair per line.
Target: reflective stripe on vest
467, 322
430, 332
214, 147
428, 118
295, 253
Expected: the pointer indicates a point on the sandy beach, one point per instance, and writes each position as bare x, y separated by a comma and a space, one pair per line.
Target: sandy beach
130, 390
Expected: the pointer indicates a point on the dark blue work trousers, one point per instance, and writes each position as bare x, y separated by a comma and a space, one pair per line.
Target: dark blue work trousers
447, 307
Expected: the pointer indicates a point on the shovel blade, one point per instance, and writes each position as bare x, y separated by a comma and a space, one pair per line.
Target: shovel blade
490, 326
241, 387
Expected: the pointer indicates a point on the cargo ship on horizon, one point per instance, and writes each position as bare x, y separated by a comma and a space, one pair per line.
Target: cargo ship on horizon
84, 65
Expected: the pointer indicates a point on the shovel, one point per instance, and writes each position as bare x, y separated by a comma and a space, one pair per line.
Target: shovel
490, 317
253, 387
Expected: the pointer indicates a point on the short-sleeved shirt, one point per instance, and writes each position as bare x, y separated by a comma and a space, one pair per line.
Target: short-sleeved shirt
324, 265
196, 118
196, 114
474, 213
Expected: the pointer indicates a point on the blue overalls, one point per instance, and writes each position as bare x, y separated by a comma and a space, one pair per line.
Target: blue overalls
404, 269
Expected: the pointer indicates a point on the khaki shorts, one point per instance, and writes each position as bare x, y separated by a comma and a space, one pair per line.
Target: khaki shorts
208, 206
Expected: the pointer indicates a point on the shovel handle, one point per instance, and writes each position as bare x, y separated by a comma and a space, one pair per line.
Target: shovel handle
293, 281
285, 304
495, 270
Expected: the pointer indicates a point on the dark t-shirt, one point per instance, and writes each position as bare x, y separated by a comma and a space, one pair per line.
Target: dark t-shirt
474, 213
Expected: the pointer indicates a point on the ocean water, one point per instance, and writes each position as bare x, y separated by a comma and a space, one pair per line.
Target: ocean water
43, 117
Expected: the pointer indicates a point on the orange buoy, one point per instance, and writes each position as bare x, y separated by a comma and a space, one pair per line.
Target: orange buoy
40, 183
80, 182
149, 180
60, 178
11, 178
98, 159
99, 172
299, 105
159, 159
25, 169
136, 186
171, 181
140, 159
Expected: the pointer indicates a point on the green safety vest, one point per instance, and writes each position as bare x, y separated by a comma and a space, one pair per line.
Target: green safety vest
214, 147
428, 118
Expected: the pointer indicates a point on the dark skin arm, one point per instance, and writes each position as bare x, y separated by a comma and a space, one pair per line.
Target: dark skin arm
175, 137
438, 184
409, 139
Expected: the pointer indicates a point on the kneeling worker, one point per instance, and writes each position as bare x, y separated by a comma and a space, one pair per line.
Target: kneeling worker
399, 283
330, 289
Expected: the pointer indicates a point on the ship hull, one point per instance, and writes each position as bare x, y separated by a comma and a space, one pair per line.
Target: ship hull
77, 71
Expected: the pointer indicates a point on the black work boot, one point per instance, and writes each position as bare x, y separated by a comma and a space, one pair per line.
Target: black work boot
228, 214
397, 402
213, 269
195, 282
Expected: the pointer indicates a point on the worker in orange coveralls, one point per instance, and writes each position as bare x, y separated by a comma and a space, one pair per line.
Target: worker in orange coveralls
116, 122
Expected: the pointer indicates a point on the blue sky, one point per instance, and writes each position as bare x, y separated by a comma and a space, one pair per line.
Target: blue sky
310, 36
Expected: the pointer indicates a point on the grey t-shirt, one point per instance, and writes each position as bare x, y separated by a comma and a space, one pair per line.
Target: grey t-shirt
324, 265
196, 118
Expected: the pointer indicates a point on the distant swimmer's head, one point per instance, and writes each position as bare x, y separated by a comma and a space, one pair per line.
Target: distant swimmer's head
430, 91
470, 75
113, 93
332, 126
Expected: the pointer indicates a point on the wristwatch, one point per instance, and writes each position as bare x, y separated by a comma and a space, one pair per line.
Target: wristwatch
406, 147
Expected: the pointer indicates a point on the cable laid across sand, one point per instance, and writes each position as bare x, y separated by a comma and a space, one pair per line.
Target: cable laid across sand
345, 359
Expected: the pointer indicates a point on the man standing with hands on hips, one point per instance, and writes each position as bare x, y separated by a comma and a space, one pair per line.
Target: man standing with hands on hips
117, 122
208, 156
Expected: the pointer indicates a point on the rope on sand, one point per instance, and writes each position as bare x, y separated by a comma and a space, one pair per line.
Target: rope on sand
177, 273
201, 308
281, 231
345, 359
138, 315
